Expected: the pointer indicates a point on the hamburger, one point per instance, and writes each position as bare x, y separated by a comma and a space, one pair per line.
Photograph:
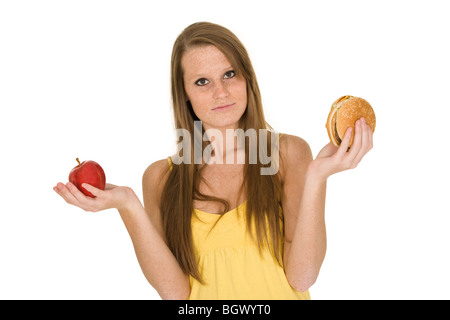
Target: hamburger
344, 112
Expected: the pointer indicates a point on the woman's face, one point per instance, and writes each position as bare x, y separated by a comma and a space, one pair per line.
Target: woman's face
217, 95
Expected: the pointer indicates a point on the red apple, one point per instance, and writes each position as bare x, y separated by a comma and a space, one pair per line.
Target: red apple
88, 172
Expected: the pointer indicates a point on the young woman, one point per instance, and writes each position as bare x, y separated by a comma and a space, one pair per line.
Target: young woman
215, 230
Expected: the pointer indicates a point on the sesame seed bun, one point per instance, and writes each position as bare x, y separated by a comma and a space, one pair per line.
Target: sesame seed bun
344, 113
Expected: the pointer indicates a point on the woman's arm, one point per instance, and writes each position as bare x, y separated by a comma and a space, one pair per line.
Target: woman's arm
155, 258
305, 252
164, 272
305, 232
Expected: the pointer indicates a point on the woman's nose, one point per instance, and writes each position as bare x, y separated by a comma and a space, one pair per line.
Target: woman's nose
220, 90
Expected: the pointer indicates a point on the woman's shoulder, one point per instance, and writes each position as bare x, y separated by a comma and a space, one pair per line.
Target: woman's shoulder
158, 168
292, 146
155, 175
295, 153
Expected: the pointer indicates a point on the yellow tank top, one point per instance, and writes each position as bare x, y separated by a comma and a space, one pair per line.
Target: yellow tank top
230, 262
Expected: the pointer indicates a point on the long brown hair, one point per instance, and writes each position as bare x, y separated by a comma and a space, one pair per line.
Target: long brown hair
182, 186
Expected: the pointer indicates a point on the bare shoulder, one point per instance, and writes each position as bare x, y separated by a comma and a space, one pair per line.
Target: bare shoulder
156, 170
295, 154
290, 145
153, 181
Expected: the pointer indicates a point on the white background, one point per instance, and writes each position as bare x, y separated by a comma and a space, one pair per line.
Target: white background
90, 79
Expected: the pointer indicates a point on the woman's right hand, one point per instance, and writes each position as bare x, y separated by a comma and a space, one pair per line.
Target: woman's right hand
112, 197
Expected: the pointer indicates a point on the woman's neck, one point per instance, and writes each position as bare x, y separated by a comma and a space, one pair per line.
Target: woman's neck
227, 146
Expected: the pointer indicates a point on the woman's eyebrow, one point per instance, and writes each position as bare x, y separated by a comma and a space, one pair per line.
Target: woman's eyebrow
202, 75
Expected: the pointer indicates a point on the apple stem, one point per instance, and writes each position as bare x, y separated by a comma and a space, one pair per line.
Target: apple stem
78, 160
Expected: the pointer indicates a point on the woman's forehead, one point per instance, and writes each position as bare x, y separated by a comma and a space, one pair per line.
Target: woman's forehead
202, 60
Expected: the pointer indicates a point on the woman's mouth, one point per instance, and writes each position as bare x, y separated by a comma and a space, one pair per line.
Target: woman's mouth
223, 107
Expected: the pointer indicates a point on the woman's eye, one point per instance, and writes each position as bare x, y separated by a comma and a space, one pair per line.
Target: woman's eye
229, 74
201, 82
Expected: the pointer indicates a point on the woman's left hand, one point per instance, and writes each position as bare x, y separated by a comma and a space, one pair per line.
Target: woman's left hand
332, 159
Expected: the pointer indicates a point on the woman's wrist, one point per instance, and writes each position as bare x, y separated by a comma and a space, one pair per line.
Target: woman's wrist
313, 173
129, 201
